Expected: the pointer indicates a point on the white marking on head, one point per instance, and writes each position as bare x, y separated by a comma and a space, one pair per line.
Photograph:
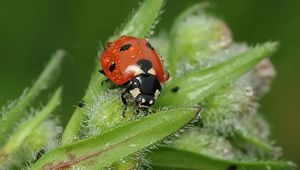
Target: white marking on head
156, 94
134, 69
151, 102
152, 71
143, 100
135, 92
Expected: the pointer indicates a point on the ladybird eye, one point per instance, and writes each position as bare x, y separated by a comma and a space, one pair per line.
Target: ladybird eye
149, 46
135, 83
125, 47
112, 67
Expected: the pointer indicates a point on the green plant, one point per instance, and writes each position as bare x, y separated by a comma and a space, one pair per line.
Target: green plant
207, 68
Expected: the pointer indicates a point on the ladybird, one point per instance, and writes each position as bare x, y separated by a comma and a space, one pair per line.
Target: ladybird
134, 64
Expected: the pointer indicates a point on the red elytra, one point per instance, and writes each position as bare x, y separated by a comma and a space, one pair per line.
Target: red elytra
120, 58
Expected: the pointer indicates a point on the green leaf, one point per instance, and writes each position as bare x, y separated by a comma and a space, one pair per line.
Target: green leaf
102, 150
195, 86
171, 158
48, 76
138, 25
27, 127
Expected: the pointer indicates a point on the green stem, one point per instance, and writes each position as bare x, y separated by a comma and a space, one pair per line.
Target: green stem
26, 128
143, 21
74, 125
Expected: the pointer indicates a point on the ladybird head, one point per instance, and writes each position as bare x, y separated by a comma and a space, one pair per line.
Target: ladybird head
145, 88
144, 100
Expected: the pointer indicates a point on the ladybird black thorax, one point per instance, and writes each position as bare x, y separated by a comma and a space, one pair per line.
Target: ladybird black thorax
145, 65
144, 88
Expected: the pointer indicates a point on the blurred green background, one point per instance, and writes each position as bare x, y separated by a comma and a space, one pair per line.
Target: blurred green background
32, 30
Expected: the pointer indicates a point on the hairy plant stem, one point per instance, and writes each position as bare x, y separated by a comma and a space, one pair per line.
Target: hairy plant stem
7, 122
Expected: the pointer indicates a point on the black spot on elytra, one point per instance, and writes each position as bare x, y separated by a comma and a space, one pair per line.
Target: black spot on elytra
175, 89
125, 47
149, 45
232, 167
81, 104
112, 67
145, 65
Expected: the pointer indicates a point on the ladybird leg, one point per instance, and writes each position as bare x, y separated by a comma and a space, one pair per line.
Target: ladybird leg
144, 110
127, 86
124, 101
102, 72
137, 112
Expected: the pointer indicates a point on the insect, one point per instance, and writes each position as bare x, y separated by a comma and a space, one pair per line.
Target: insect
135, 65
